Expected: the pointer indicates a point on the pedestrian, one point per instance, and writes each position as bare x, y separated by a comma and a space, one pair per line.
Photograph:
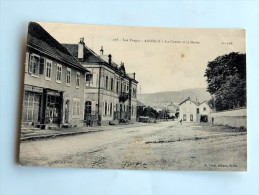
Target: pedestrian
181, 121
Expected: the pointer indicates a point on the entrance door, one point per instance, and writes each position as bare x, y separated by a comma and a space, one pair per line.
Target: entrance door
53, 109
88, 109
67, 111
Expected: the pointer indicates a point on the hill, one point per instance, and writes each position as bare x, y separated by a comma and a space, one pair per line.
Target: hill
161, 98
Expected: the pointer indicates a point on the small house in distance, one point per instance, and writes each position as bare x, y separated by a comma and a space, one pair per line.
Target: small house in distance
192, 111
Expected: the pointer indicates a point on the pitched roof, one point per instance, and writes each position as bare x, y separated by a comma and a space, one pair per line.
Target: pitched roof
90, 57
140, 104
196, 103
41, 40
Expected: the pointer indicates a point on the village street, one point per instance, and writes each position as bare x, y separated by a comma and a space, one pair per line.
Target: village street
164, 146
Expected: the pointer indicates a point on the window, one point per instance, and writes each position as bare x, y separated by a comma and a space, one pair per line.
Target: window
105, 111
68, 76
111, 84
134, 92
48, 70
89, 77
184, 117
204, 108
106, 82
76, 107
111, 109
77, 79
59, 73
198, 111
34, 64
31, 107
42, 65
191, 117
117, 87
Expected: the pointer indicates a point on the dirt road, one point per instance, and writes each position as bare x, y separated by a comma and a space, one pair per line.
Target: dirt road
162, 146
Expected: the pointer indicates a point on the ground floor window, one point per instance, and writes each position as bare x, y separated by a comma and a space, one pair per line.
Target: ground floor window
111, 109
76, 107
191, 117
184, 117
105, 109
31, 107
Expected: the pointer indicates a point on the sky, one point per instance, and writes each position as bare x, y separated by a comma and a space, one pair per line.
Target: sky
164, 59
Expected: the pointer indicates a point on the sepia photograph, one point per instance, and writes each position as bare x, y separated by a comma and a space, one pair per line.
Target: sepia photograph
139, 98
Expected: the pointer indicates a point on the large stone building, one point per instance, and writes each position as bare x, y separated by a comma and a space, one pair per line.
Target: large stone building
54, 82
111, 93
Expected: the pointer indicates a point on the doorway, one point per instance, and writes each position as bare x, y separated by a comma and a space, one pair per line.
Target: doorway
67, 111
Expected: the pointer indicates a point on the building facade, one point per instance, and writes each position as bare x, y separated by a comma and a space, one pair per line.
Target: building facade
191, 111
54, 82
110, 93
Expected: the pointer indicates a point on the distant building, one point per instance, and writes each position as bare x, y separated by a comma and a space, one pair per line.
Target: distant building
110, 92
192, 111
140, 108
173, 109
204, 111
54, 82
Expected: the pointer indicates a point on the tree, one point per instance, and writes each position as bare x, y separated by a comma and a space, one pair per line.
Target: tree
226, 77
150, 112
177, 113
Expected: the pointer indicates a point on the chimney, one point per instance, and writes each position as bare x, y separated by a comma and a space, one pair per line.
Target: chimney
101, 51
134, 75
110, 58
81, 45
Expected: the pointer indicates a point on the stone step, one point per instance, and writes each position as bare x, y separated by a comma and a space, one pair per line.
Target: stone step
66, 125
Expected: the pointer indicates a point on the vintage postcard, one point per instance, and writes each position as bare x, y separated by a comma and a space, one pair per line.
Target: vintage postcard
117, 97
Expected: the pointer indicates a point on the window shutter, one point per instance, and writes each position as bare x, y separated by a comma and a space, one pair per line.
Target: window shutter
42, 65
26, 61
93, 108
